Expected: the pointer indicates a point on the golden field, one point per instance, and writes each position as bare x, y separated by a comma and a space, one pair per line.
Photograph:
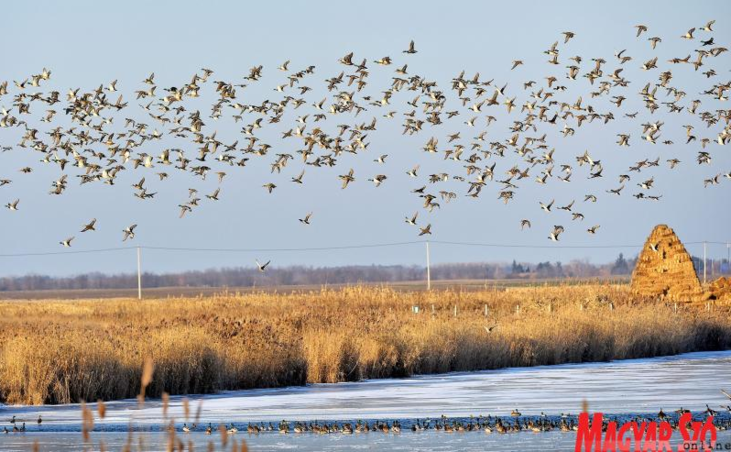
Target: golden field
56, 351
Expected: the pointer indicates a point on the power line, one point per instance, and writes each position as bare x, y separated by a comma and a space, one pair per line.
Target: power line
58, 253
502, 245
336, 248
275, 250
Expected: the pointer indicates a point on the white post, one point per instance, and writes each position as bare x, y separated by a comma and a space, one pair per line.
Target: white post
704, 263
428, 268
139, 273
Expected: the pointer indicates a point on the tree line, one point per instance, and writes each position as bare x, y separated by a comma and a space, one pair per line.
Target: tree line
303, 275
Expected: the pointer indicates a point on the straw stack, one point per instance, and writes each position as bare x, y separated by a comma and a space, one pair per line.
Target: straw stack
667, 270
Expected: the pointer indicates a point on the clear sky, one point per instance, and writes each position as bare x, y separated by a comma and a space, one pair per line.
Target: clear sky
88, 43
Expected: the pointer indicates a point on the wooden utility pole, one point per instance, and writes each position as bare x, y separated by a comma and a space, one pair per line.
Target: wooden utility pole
139, 273
428, 267
705, 259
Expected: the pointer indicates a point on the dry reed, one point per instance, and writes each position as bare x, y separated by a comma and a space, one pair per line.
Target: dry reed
69, 351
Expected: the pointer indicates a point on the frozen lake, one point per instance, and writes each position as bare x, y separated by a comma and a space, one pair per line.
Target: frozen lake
623, 388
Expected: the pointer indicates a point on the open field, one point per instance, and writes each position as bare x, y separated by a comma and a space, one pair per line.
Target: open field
199, 291
66, 351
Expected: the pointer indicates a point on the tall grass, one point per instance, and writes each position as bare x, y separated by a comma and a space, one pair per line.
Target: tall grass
68, 351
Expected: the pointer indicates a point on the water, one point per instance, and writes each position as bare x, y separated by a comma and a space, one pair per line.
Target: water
622, 388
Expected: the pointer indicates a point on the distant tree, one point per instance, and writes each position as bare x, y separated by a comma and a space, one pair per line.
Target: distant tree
545, 270
621, 267
558, 270
247, 277
517, 268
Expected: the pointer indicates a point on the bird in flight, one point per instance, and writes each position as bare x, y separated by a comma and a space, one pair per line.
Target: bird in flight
412, 220
90, 226
557, 230
263, 266
347, 178
306, 219
12, 205
425, 230
129, 233
411, 49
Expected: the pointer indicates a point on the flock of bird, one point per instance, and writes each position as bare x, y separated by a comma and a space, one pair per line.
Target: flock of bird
84, 137
515, 423
489, 424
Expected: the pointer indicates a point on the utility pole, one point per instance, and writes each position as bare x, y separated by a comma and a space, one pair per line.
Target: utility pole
728, 257
704, 262
428, 267
139, 273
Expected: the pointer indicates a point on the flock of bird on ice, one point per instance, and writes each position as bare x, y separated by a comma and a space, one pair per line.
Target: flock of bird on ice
92, 146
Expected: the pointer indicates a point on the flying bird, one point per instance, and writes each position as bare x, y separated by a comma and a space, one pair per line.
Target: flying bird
12, 205
557, 230
263, 266
708, 26
412, 220
90, 226
129, 233
411, 49
347, 178
425, 230
306, 219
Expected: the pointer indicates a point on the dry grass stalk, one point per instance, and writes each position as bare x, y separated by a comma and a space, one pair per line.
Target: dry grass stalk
87, 422
67, 351
147, 371
165, 404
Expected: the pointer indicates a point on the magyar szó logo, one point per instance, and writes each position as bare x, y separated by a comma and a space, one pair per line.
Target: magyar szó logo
636, 436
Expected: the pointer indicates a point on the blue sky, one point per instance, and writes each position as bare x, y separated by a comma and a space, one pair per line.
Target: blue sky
86, 44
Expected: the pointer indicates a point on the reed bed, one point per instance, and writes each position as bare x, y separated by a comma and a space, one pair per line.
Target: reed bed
69, 351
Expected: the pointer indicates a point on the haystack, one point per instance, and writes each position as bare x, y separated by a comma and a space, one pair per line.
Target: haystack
720, 289
665, 269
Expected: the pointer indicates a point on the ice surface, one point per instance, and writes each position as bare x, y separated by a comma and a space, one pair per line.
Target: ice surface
620, 387
369, 442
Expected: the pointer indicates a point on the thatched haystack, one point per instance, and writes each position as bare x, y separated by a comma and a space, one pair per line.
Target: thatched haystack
720, 289
665, 269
